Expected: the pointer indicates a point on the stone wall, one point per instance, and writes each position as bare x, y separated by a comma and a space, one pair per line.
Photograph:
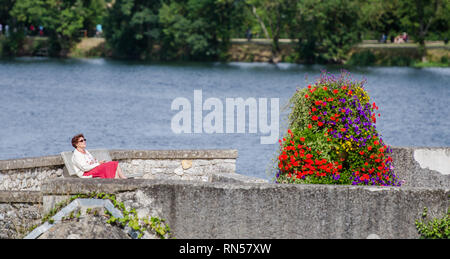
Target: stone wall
218, 203
196, 209
422, 166
19, 212
176, 165
27, 174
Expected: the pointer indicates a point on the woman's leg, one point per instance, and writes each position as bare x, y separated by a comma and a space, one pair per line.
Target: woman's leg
119, 173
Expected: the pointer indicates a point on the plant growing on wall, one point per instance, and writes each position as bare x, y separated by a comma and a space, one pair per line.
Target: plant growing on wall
332, 137
438, 228
139, 225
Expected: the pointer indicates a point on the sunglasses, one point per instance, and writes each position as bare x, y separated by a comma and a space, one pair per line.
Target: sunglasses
84, 140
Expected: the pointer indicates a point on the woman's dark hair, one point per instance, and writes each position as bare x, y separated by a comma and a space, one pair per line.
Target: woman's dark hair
75, 140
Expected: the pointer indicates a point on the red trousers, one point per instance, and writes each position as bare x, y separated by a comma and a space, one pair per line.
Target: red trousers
105, 170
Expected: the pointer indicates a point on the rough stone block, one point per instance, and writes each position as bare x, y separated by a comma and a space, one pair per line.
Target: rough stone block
186, 164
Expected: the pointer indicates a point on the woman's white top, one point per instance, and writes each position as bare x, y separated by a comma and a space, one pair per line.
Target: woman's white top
83, 163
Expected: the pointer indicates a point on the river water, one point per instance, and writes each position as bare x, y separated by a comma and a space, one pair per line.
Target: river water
127, 105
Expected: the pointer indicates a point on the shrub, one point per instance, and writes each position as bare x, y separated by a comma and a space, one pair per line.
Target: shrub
332, 138
437, 228
363, 58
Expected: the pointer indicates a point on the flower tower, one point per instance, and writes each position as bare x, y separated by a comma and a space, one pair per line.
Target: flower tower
332, 137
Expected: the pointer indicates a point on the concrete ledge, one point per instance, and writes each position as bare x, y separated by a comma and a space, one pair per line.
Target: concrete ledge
71, 186
260, 210
20, 197
32, 162
235, 178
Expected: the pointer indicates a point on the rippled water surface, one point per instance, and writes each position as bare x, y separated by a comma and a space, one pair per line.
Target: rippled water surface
127, 105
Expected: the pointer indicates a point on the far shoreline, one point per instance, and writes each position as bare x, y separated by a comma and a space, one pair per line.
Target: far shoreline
370, 53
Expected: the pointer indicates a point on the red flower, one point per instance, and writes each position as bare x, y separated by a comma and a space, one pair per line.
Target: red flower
374, 106
302, 139
320, 123
306, 96
343, 129
369, 148
314, 118
335, 91
309, 126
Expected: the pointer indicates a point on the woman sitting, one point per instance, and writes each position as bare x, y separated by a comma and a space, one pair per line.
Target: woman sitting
87, 166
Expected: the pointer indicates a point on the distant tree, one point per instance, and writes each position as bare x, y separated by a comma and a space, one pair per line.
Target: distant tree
326, 30
62, 20
418, 16
198, 29
131, 28
277, 15
9, 46
95, 13
380, 16
5, 7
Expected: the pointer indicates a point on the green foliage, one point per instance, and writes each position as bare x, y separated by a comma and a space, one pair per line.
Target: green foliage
326, 30
275, 17
420, 19
417, 16
438, 228
197, 29
380, 16
130, 219
363, 58
62, 20
167, 30
202, 29
11, 45
132, 28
